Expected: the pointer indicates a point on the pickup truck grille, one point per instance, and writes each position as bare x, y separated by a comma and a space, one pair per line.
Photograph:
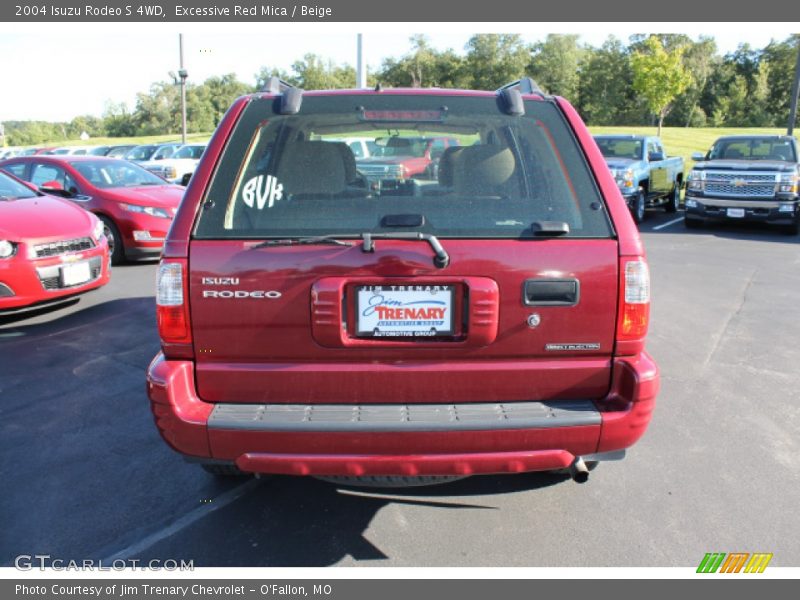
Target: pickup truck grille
379, 171
741, 184
63, 247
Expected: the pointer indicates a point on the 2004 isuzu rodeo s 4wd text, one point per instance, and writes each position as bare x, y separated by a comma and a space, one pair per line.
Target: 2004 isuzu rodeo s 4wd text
491, 320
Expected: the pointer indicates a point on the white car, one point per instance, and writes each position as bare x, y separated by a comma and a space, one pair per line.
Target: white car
362, 147
70, 150
179, 167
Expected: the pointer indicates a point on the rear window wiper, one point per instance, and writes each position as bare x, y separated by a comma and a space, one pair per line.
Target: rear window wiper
441, 260
301, 241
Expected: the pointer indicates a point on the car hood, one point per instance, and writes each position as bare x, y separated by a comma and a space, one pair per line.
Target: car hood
620, 163
162, 196
746, 165
43, 218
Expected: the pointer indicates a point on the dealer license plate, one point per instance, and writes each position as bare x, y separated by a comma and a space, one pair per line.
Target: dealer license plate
404, 310
736, 213
75, 274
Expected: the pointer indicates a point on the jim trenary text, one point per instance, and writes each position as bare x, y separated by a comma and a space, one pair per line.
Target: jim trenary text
118, 590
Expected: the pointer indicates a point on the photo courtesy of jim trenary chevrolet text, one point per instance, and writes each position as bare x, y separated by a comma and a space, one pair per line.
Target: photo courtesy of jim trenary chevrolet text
493, 298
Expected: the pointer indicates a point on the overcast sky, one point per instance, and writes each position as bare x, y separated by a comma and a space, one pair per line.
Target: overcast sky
55, 72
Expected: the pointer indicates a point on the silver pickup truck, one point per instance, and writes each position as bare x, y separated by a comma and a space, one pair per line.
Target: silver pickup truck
646, 176
746, 178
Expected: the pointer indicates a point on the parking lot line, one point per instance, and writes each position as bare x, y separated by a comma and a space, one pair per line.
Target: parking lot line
182, 523
667, 224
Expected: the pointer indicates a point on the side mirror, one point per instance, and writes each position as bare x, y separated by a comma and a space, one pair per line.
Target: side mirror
53, 187
655, 156
698, 156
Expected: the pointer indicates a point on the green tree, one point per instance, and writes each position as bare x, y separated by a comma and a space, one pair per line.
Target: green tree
158, 111
659, 76
312, 72
118, 122
556, 65
494, 60
423, 66
700, 59
606, 95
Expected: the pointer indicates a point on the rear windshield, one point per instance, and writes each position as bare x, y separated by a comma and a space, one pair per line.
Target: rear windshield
449, 166
753, 149
617, 148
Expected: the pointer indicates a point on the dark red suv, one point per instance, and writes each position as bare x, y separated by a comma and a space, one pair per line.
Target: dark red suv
492, 320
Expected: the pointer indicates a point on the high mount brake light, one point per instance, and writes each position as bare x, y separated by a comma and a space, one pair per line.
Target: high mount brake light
391, 116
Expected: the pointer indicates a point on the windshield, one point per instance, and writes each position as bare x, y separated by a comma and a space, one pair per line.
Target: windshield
115, 173
753, 149
140, 153
402, 146
485, 174
194, 152
11, 189
616, 148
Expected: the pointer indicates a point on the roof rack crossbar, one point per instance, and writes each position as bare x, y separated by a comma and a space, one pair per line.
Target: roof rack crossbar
525, 85
275, 85
291, 96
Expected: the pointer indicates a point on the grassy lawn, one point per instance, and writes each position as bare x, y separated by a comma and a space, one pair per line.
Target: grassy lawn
682, 141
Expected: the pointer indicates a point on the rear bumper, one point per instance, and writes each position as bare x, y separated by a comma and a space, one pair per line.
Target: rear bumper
401, 440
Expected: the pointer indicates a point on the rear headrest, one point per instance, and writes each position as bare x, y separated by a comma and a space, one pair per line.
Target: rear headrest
350, 172
312, 168
447, 165
481, 170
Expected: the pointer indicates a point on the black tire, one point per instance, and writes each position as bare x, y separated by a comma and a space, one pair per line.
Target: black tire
792, 229
116, 247
674, 200
691, 223
639, 206
224, 470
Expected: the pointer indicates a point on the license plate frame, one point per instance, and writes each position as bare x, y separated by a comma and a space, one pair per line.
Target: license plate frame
735, 213
380, 319
75, 273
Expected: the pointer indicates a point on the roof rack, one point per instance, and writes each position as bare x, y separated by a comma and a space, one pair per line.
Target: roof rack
511, 95
525, 85
291, 96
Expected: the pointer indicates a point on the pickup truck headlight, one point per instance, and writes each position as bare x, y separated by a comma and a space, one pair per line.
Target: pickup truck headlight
7, 249
788, 184
624, 178
695, 180
170, 173
153, 211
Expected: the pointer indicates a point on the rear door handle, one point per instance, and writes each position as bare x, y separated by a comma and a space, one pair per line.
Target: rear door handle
551, 292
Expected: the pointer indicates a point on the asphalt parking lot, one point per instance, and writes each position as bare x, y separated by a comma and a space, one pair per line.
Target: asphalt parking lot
86, 475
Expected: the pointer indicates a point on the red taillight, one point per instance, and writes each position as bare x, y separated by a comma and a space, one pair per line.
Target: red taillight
172, 306
634, 305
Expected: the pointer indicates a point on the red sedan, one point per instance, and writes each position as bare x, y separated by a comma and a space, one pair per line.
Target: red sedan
135, 206
50, 249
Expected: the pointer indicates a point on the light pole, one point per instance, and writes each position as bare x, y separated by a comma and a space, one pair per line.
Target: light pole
361, 65
183, 74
